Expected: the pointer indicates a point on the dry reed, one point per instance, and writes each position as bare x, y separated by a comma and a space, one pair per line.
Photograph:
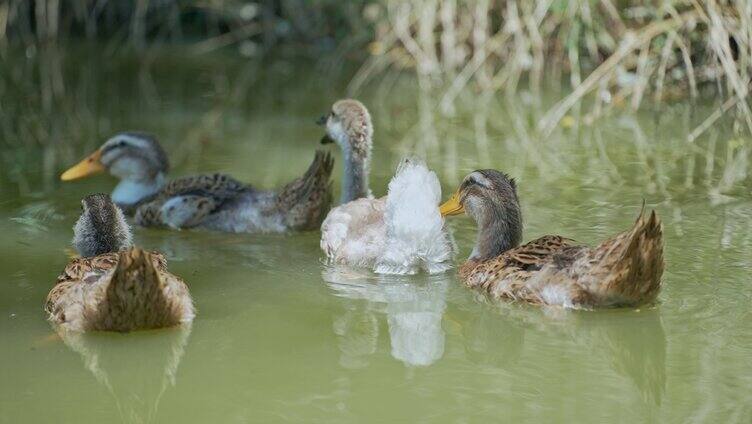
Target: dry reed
612, 56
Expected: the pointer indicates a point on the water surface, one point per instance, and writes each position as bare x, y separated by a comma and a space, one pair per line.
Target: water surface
280, 336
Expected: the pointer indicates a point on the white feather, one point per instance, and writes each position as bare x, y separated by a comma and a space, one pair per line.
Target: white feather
401, 233
556, 295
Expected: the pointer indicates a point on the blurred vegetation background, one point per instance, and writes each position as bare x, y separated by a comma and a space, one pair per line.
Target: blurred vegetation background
621, 50
574, 61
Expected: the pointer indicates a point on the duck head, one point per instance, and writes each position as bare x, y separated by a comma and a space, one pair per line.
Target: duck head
348, 124
490, 198
101, 228
135, 158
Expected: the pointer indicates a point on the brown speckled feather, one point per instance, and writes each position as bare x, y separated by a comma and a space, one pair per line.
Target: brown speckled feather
120, 291
307, 199
219, 188
623, 270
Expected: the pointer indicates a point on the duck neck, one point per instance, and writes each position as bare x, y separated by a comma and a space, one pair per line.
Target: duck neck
102, 231
355, 182
498, 232
130, 192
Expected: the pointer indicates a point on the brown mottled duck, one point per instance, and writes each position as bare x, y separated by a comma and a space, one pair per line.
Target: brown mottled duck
114, 286
214, 201
624, 270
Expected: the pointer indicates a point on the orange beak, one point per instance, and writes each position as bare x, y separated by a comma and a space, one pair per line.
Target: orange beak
92, 164
452, 206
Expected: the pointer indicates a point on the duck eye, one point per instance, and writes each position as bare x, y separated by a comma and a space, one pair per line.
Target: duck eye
121, 143
471, 181
476, 180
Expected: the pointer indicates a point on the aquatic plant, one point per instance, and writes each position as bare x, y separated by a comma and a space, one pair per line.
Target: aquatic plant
613, 53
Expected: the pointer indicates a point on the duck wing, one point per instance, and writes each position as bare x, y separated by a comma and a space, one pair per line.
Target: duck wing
186, 202
355, 233
68, 298
218, 186
509, 275
539, 252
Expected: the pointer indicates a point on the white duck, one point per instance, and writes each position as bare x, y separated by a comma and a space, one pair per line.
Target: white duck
400, 233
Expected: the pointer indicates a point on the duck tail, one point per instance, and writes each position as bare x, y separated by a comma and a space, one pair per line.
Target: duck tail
414, 226
414, 192
634, 260
135, 296
306, 200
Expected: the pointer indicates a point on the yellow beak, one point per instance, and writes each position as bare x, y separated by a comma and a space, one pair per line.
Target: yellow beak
452, 206
90, 165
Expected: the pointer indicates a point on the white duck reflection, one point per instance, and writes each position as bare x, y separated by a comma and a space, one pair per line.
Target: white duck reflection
136, 368
413, 309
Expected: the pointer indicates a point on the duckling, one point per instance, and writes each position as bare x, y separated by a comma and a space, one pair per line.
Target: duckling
215, 202
114, 286
624, 270
349, 125
400, 233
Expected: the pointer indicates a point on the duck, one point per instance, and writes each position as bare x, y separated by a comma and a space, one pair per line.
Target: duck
211, 201
113, 285
400, 233
624, 270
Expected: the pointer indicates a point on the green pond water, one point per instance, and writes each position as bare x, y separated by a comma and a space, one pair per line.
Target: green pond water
282, 337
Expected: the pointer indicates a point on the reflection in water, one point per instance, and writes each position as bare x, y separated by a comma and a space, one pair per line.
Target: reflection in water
414, 314
358, 333
633, 346
136, 368
486, 342
636, 349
